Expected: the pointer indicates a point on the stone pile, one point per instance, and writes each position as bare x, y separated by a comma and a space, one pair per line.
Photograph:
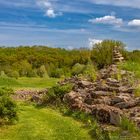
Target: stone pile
30, 95
109, 98
117, 56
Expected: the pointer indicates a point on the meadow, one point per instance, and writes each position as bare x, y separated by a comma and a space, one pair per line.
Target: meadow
43, 124
28, 83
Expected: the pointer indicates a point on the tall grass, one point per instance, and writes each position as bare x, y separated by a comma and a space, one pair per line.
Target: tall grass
131, 66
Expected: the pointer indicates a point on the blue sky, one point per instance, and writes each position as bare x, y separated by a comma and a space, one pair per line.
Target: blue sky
69, 24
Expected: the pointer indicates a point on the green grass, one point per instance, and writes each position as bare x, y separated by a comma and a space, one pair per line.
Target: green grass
131, 66
25, 82
43, 124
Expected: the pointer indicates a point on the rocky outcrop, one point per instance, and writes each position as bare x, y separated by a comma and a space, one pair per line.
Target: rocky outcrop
109, 98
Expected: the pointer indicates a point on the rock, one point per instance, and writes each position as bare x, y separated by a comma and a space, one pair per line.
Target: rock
126, 105
121, 98
111, 80
36, 99
102, 100
107, 114
97, 94
134, 115
74, 100
84, 84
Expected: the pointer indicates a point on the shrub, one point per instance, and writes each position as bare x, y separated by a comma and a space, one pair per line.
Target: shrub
90, 72
57, 73
8, 108
131, 66
42, 71
126, 124
2, 74
77, 69
56, 94
137, 92
102, 52
13, 74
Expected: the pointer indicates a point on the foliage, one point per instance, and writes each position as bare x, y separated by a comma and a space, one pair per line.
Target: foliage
57, 73
137, 92
132, 66
42, 71
8, 108
13, 74
77, 69
2, 74
126, 124
41, 60
102, 52
90, 72
56, 94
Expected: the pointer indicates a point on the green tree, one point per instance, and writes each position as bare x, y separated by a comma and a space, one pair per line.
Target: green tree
57, 73
42, 71
77, 69
102, 52
13, 73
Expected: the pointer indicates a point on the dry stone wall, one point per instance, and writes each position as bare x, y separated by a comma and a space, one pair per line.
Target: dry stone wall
109, 98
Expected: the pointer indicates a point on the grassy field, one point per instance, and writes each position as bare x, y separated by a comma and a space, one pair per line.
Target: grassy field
43, 124
25, 82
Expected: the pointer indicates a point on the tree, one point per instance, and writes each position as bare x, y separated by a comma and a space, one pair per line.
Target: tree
25, 68
57, 73
102, 52
13, 74
42, 71
77, 69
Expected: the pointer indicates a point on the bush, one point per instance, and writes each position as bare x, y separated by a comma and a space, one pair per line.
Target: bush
8, 108
57, 73
77, 69
13, 74
131, 66
128, 125
2, 74
56, 94
90, 72
42, 72
102, 52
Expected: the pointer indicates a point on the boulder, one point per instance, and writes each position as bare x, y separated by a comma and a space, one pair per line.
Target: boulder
126, 105
74, 100
107, 114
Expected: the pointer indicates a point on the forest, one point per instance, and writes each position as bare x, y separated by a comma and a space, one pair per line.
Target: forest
43, 61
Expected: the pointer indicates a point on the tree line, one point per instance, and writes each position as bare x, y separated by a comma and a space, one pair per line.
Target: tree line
44, 61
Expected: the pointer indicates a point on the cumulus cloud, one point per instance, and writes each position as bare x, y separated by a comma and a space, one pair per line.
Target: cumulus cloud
48, 8
134, 22
109, 19
50, 13
94, 41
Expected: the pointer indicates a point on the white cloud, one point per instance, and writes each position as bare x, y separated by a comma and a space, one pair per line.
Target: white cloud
125, 3
135, 22
48, 8
50, 13
92, 42
109, 19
